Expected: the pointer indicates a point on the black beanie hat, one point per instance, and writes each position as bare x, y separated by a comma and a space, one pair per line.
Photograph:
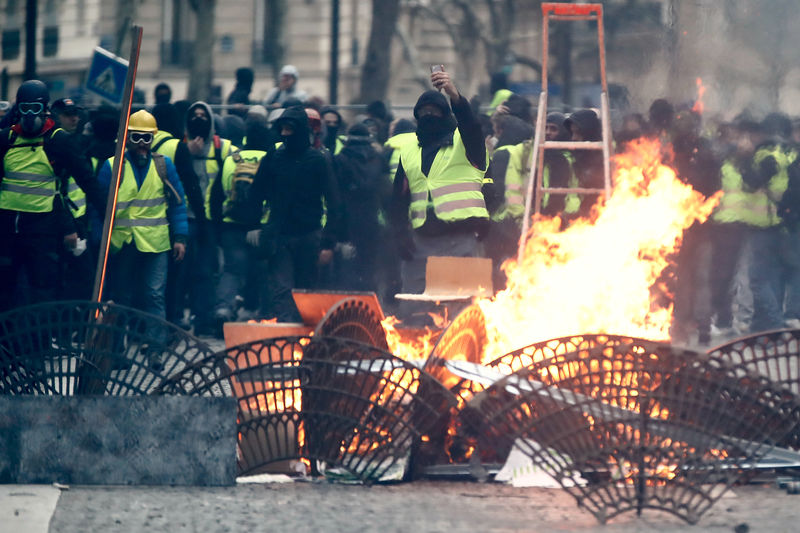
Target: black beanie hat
434, 98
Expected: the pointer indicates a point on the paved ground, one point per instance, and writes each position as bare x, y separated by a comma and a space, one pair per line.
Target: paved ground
416, 507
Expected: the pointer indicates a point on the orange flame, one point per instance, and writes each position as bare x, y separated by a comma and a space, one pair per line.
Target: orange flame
403, 346
596, 275
699, 106
264, 321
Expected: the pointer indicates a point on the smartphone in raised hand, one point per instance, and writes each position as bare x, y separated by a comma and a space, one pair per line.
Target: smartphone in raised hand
437, 68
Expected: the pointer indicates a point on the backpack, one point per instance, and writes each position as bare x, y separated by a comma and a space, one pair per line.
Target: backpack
241, 183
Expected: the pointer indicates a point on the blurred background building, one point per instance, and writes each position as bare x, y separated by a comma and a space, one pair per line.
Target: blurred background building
744, 50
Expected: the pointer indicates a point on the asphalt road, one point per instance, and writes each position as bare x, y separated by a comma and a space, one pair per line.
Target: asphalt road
414, 507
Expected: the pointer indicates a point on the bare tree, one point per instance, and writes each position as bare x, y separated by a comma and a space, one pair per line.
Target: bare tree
376, 71
200, 75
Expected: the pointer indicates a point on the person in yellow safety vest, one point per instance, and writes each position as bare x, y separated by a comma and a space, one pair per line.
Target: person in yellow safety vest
731, 222
334, 129
149, 221
402, 131
773, 248
559, 171
77, 267
166, 143
229, 208
208, 152
506, 202
584, 125
437, 188
35, 223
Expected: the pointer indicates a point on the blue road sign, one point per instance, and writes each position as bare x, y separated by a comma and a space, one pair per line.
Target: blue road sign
107, 75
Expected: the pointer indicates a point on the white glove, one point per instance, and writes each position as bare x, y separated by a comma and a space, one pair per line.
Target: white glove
347, 250
80, 247
254, 237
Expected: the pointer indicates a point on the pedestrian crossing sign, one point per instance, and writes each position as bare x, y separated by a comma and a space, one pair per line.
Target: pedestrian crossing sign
107, 75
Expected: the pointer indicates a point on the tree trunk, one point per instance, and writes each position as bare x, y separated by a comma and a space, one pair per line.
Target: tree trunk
376, 72
200, 75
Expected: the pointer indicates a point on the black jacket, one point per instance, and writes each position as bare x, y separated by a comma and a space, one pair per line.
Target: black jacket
68, 160
294, 180
363, 177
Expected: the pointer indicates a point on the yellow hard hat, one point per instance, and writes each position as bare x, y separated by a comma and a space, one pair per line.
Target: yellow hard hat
143, 121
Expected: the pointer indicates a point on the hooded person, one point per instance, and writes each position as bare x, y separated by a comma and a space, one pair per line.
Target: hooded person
196, 281
240, 95
361, 172
437, 186
334, 127
584, 125
294, 180
258, 135
207, 148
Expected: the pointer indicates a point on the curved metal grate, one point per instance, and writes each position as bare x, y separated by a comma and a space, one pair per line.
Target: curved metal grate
463, 340
326, 399
353, 319
773, 354
76, 347
637, 425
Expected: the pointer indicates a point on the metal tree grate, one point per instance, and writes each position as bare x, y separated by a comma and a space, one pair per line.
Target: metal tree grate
774, 355
637, 425
353, 319
77, 347
324, 399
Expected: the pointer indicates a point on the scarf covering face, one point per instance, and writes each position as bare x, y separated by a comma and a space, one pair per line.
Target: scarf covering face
432, 129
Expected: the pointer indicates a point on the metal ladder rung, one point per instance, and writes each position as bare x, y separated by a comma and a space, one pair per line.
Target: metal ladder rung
572, 17
570, 190
572, 145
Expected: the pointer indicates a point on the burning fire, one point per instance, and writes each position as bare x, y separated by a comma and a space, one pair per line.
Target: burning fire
699, 106
597, 274
408, 349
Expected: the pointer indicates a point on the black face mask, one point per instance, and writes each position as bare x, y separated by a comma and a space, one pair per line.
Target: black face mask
431, 128
198, 127
331, 132
31, 124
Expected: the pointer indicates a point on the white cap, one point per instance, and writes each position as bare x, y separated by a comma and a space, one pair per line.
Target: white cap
291, 70
259, 110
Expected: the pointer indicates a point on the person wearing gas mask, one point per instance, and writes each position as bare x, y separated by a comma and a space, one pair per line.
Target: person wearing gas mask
294, 180
35, 222
437, 186
149, 222
208, 152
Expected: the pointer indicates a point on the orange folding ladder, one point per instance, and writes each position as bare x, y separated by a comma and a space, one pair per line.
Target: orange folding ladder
535, 192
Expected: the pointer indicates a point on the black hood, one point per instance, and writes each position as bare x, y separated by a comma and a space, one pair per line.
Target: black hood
167, 119
297, 118
434, 98
520, 107
244, 78
329, 109
432, 130
587, 121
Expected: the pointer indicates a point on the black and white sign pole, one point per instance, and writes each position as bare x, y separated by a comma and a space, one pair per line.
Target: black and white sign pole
116, 171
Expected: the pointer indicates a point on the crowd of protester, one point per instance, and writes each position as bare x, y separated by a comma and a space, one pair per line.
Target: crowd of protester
221, 215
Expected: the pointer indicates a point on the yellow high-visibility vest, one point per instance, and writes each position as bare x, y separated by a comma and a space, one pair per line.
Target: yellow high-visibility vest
452, 186
141, 214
